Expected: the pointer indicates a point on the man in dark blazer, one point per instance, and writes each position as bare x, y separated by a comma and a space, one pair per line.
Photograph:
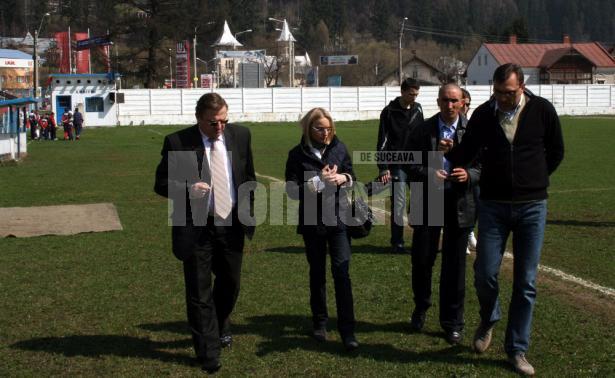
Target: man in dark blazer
456, 185
208, 173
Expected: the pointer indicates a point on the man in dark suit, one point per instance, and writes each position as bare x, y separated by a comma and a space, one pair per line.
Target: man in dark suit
208, 173
456, 185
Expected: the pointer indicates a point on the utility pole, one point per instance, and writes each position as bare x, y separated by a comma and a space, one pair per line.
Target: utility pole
35, 58
195, 78
401, 36
170, 68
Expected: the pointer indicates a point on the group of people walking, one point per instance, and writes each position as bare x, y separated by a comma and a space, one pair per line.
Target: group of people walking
41, 126
494, 167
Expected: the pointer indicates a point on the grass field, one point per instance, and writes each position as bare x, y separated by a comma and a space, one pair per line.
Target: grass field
112, 303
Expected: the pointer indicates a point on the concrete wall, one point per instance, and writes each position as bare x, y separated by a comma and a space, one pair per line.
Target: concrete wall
176, 106
9, 146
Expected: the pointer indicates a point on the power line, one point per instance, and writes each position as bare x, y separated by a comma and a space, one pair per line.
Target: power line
460, 35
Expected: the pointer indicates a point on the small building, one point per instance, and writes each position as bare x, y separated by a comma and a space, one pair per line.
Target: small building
16, 72
13, 140
417, 68
94, 94
545, 63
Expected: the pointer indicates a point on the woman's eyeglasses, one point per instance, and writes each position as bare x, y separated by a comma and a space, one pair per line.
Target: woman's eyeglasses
321, 129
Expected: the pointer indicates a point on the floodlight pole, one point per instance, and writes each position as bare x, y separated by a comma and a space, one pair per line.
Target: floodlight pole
35, 58
170, 68
401, 36
195, 78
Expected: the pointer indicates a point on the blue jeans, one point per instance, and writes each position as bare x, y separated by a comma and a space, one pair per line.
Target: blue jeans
398, 205
496, 220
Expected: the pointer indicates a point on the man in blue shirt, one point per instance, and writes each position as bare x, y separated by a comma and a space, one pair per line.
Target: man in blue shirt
456, 185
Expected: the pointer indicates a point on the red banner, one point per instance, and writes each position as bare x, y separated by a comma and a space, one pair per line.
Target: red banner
182, 65
82, 57
104, 52
63, 48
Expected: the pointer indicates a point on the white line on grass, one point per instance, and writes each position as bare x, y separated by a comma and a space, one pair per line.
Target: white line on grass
155, 132
556, 272
569, 277
580, 190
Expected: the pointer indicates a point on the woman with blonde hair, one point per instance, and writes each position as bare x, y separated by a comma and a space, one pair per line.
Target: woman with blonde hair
317, 171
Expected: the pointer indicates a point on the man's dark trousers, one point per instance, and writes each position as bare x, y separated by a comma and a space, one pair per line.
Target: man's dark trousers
425, 242
218, 251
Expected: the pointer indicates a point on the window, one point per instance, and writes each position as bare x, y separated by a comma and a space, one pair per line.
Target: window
485, 59
94, 104
600, 81
21, 79
479, 60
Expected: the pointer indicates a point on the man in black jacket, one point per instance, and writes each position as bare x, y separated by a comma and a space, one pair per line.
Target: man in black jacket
202, 170
396, 122
456, 185
520, 140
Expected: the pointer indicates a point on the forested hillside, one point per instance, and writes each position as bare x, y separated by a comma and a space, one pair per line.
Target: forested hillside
144, 29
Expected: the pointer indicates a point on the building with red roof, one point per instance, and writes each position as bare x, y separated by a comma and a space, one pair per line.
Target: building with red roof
545, 63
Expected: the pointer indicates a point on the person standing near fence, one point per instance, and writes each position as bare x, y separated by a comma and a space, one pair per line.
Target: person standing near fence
520, 139
67, 124
77, 123
396, 122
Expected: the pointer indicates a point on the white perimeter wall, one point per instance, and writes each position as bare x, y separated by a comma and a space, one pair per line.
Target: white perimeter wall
176, 106
9, 146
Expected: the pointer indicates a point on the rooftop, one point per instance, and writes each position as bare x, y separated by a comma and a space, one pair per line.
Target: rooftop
532, 54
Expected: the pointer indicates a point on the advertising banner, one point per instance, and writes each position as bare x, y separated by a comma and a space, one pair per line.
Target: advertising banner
63, 47
82, 58
182, 65
16, 63
88, 43
339, 60
207, 80
248, 54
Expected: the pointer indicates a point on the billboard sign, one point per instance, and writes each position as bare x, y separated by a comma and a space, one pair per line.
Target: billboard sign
182, 65
103, 40
339, 60
207, 80
16, 63
248, 54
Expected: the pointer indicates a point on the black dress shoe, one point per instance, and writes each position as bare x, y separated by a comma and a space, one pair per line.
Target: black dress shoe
226, 340
417, 321
453, 337
398, 249
211, 366
320, 334
350, 343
